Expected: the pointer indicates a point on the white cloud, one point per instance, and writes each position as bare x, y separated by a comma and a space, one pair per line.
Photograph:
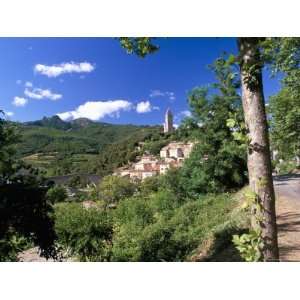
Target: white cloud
96, 110
145, 107
159, 93
185, 113
9, 113
156, 93
39, 94
28, 84
64, 68
19, 101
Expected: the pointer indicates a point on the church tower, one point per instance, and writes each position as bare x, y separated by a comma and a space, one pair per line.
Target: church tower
168, 125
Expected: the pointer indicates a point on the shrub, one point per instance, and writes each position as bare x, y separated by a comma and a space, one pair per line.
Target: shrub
150, 185
159, 228
26, 211
56, 194
134, 219
11, 244
112, 189
201, 174
286, 167
85, 233
173, 181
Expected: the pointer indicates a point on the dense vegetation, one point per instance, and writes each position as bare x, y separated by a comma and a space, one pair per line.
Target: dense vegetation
219, 161
81, 146
25, 212
153, 224
285, 123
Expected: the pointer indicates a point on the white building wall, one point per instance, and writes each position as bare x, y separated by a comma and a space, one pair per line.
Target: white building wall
147, 174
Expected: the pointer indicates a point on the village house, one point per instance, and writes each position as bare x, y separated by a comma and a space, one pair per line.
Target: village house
171, 156
177, 150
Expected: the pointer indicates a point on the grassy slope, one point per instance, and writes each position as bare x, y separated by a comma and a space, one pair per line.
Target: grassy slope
217, 245
91, 138
43, 144
147, 230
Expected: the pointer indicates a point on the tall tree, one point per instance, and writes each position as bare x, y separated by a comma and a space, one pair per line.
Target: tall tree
259, 159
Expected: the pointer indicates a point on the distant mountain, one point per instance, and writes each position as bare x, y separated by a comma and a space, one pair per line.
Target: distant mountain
82, 122
51, 122
51, 134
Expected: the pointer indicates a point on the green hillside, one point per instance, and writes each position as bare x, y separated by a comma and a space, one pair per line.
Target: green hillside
60, 147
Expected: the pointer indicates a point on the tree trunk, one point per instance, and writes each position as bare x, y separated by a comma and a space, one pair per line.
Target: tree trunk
259, 156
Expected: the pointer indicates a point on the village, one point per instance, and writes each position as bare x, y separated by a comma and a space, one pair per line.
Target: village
171, 156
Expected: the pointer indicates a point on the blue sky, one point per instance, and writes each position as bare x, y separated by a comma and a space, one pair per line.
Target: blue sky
96, 78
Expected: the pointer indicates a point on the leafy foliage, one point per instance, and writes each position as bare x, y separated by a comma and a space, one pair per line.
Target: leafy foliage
140, 46
154, 224
112, 189
285, 122
250, 245
84, 233
157, 228
283, 56
8, 138
218, 161
25, 211
57, 193
11, 244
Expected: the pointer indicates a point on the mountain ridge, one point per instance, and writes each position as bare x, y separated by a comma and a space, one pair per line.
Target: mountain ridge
51, 134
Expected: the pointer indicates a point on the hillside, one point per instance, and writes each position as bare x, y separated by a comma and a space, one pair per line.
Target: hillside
60, 147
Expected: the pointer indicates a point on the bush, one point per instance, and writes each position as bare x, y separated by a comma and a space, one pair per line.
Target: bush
219, 172
26, 212
154, 147
286, 167
78, 181
150, 185
11, 244
112, 189
84, 233
56, 194
159, 228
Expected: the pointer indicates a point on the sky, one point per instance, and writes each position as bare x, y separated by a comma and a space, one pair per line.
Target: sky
95, 78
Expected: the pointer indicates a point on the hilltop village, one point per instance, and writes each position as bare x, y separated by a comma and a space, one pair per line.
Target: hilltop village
171, 156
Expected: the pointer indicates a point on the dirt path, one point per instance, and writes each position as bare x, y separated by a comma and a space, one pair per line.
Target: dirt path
287, 189
32, 255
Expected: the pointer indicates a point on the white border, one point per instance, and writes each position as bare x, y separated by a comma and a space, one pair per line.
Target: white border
143, 281
149, 17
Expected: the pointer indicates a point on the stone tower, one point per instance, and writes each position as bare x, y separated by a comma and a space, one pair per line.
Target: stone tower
168, 125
